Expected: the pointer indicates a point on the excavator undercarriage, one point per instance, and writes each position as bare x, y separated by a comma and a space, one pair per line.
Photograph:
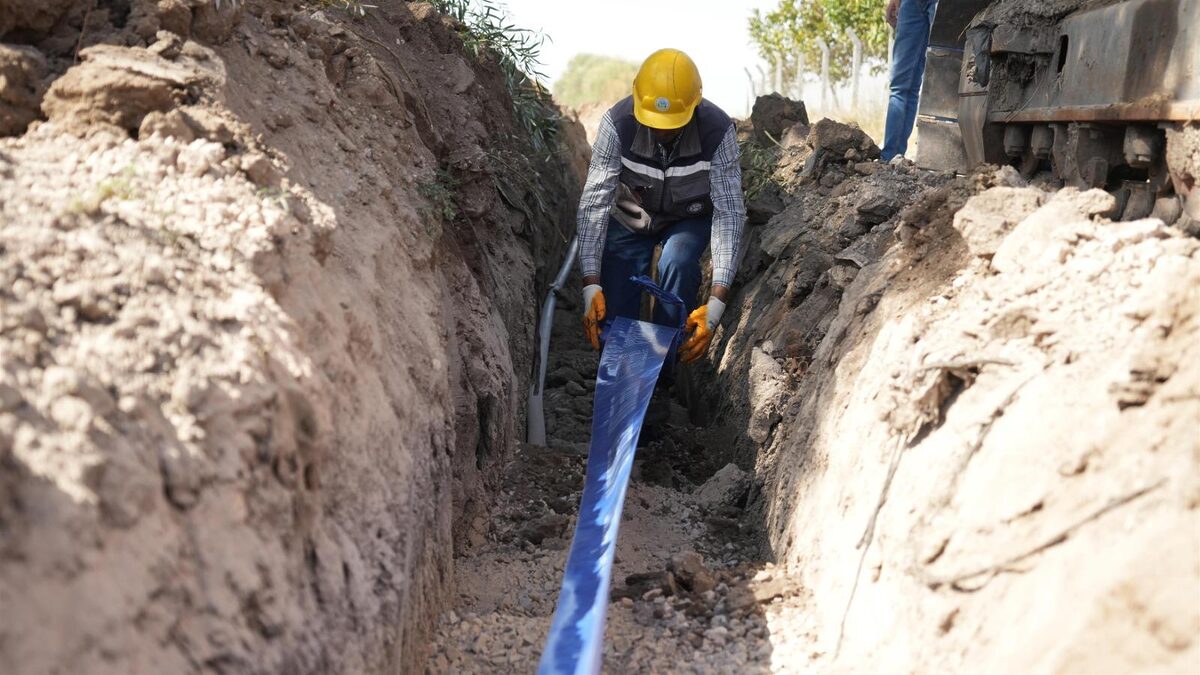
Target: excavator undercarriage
1099, 93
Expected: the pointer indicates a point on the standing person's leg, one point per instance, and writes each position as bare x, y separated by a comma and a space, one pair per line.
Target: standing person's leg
626, 254
908, 67
679, 267
927, 12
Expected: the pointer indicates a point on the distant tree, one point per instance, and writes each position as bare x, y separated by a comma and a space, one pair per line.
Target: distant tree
793, 28
590, 78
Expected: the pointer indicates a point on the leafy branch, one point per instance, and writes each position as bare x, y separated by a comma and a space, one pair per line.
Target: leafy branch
485, 30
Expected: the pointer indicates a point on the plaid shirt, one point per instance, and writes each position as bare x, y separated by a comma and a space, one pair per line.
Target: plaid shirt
729, 213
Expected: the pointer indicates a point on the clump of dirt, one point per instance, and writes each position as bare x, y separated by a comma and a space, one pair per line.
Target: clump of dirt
773, 115
119, 86
24, 70
32, 17
266, 314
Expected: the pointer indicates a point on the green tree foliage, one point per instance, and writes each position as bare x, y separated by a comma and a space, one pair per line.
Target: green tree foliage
795, 25
590, 78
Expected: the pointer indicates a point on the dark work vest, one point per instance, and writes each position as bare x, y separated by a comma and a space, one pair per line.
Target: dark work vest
655, 191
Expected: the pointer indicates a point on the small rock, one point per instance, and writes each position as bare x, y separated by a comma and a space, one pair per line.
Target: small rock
59, 381
167, 125
717, 635
10, 398
575, 389
766, 204
554, 544
725, 488
876, 206
23, 70
260, 169
182, 472
167, 45
33, 319
71, 412
691, 573
740, 599
560, 376
275, 53
550, 525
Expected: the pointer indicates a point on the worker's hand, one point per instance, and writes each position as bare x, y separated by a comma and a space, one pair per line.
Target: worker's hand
893, 10
701, 323
593, 313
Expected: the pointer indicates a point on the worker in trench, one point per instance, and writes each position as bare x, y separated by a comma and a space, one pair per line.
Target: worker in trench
664, 172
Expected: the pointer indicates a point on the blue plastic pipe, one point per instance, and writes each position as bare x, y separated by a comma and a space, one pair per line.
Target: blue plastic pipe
634, 353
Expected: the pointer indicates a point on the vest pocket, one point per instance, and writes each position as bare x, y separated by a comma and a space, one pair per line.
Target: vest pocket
689, 195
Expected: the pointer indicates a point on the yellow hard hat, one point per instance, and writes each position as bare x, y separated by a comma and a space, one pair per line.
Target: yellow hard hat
666, 90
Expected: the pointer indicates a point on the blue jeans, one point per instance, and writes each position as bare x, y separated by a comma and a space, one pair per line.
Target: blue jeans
913, 23
629, 254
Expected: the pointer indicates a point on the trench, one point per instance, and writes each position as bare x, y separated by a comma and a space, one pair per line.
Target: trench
854, 478
281, 435
687, 552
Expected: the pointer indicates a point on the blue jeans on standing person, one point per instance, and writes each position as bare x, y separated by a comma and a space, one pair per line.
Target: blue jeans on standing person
628, 254
913, 22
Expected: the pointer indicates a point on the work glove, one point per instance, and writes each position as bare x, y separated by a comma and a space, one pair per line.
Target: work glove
701, 323
593, 313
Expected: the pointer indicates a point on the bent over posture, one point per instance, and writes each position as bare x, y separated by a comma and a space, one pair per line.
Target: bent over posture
664, 171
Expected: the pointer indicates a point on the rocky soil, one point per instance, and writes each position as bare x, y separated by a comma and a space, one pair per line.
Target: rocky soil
267, 282
967, 411
971, 404
685, 595
264, 329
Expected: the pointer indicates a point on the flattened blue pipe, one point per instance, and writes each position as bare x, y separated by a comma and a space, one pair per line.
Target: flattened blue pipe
634, 353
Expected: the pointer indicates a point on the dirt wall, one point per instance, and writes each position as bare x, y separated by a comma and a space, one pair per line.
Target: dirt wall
971, 406
268, 298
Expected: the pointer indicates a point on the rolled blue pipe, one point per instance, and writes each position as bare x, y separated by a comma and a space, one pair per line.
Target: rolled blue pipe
634, 353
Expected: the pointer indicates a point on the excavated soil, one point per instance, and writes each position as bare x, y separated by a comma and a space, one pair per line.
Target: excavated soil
267, 302
977, 444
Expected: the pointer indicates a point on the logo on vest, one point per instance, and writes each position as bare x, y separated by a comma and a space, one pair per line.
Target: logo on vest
695, 207
662, 104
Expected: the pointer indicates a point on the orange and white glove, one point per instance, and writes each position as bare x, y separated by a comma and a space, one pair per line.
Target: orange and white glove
593, 313
701, 323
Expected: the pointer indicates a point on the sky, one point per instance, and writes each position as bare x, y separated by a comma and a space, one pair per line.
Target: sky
712, 32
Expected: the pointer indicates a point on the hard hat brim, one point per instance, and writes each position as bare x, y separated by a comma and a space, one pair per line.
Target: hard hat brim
665, 121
